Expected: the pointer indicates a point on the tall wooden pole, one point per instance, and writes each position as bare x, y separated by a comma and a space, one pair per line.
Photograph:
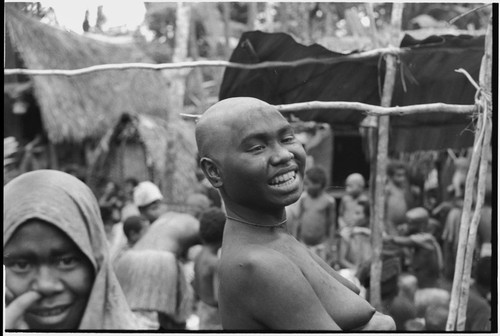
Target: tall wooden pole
226, 17
468, 226
382, 155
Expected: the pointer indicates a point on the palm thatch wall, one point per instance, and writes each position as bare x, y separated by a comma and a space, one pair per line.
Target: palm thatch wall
85, 106
167, 149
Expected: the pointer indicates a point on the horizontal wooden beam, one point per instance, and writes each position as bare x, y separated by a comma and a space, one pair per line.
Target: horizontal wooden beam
205, 63
378, 110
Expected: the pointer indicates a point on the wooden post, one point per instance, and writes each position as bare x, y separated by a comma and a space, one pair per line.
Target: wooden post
227, 27
252, 15
382, 155
468, 227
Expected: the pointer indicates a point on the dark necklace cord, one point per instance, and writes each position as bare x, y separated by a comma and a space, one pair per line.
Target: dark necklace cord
283, 222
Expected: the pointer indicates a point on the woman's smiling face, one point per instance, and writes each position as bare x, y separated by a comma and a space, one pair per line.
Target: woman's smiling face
41, 257
262, 161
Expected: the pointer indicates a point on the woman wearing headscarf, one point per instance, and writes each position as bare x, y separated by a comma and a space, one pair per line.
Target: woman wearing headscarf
58, 273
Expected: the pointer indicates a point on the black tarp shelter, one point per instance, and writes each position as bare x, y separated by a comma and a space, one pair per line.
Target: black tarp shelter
426, 75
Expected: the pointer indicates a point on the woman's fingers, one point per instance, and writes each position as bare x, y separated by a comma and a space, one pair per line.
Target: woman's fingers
14, 312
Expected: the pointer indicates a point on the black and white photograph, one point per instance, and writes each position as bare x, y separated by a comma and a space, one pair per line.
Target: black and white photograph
250, 167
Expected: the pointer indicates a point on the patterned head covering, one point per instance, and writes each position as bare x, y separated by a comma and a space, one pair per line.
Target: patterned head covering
67, 203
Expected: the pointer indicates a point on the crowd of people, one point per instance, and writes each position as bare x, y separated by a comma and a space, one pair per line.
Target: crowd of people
420, 244
251, 250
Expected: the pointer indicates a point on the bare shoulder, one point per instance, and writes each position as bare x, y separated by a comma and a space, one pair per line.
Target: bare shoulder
253, 260
250, 269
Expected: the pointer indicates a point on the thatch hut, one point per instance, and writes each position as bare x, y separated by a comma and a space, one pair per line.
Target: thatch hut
149, 148
77, 111
76, 108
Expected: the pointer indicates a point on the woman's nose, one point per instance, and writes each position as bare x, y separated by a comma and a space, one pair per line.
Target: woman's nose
47, 281
281, 155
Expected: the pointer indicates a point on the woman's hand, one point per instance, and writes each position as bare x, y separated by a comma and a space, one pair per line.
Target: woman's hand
380, 322
15, 308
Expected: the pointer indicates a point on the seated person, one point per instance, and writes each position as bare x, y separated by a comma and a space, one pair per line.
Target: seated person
268, 279
355, 246
57, 270
478, 315
436, 316
355, 191
134, 227
427, 261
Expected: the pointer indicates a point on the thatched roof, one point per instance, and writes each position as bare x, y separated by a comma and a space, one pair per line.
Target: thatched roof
85, 106
169, 148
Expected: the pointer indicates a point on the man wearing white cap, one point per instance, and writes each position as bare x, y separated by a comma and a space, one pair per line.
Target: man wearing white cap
147, 198
146, 202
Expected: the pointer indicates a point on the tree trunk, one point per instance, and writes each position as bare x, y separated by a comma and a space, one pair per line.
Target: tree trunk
227, 28
269, 17
197, 84
177, 78
252, 15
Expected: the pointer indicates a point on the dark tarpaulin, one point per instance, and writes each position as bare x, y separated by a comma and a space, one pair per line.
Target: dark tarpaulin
428, 68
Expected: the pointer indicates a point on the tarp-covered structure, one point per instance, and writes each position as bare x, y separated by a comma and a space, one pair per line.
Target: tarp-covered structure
426, 74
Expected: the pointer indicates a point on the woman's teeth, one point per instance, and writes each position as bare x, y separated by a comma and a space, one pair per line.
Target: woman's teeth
50, 312
281, 179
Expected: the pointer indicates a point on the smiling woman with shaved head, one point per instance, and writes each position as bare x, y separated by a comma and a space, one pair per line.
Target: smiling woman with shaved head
269, 280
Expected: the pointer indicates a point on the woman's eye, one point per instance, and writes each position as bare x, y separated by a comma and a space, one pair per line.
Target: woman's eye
67, 262
19, 266
256, 148
289, 139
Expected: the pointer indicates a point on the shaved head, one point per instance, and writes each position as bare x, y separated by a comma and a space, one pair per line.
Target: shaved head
356, 179
247, 149
223, 116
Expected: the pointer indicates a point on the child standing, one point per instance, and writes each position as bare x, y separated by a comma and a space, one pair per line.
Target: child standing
354, 187
317, 215
205, 268
355, 246
397, 196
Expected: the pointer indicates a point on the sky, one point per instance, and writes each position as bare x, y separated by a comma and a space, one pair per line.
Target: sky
71, 14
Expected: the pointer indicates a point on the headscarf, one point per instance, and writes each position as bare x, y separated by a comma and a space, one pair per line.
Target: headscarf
67, 203
154, 281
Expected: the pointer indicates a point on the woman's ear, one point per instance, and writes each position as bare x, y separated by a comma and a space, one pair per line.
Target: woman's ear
211, 172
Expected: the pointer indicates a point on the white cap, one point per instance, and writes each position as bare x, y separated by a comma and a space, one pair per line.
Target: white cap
146, 193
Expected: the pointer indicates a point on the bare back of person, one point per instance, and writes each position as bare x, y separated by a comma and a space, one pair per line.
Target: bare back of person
205, 267
314, 218
173, 232
245, 262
